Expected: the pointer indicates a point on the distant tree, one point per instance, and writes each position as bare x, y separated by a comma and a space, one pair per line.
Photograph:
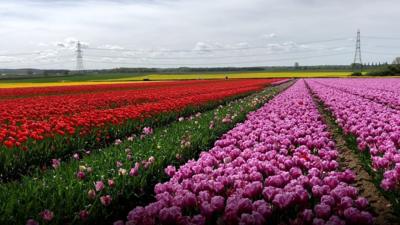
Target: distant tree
396, 61
356, 74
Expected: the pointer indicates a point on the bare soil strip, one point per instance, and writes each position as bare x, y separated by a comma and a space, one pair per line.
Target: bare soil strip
380, 206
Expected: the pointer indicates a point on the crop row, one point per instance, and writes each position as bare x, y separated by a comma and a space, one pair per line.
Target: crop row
34, 130
38, 118
386, 84
278, 167
372, 90
7, 93
376, 127
100, 185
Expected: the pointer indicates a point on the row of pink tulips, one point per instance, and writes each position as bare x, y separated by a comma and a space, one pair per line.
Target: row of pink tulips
278, 166
376, 126
371, 89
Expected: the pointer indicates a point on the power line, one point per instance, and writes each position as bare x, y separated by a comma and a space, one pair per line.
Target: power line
216, 49
24, 53
207, 49
210, 57
382, 53
288, 45
387, 46
44, 64
180, 50
221, 63
50, 63
382, 38
17, 60
38, 59
180, 58
19, 54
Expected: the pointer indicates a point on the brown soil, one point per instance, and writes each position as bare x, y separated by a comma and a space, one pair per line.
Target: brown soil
380, 206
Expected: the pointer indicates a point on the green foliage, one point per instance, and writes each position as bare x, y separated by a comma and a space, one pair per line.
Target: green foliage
390, 70
356, 74
121, 73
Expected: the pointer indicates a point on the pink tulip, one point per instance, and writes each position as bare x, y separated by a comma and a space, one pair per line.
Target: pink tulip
119, 222
76, 156
55, 163
133, 172
170, 171
119, 164
99, 185
105, 200
32, 222
47, 215
80, 175
147, 131
111, 183
84, 214
117, 142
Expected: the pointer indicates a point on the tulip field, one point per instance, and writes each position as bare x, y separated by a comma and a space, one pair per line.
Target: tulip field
372, 116
200, 152
38, 124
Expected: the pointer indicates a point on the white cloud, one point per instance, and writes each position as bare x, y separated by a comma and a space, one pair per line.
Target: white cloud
70, 43
203, 47
111, 47
8, 59
269, 36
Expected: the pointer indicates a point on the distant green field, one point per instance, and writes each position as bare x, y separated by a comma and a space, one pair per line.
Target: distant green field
232, 75
122, 77
70, 78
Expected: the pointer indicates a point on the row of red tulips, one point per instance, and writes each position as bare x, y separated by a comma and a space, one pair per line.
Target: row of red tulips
34, 130
42, 117
7, 93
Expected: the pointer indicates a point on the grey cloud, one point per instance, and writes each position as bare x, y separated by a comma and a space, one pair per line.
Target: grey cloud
152, 27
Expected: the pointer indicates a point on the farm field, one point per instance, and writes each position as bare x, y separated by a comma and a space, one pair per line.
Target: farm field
172, 112
40, 124
194, 129
237, 151
239, 75
91, 79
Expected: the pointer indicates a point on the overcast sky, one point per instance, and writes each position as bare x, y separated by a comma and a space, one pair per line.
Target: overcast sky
172, 33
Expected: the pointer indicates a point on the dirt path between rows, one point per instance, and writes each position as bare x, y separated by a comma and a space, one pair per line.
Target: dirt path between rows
380, 206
